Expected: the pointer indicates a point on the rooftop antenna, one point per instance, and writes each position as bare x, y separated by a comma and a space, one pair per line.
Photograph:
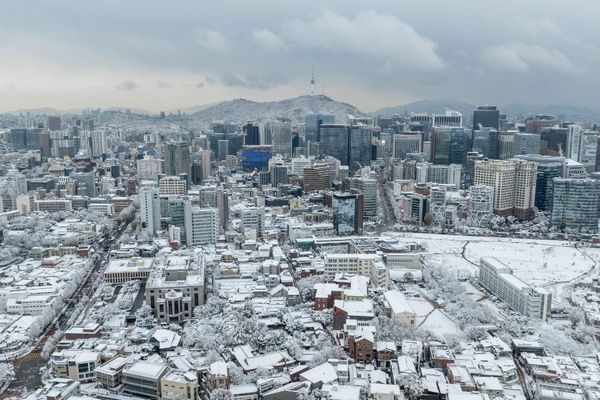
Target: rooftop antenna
312, 82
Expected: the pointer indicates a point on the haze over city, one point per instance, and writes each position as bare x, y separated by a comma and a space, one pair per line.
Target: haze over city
156, 56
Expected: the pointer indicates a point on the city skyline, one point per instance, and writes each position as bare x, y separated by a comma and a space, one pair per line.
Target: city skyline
142, 56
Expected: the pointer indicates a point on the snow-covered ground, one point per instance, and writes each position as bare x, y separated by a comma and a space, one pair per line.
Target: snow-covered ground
538, 262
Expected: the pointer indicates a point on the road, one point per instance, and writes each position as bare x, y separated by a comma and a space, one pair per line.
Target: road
27, 367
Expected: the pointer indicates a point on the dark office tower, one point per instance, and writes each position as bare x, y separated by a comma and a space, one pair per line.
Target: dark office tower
32, 139
222, 149
544, 189
197, 172
486, 142
347, 213
448, 145
177, 159
295, 141
334, 141
252, 134
359, 147
486, 117
45, 145
54, 123
18, 138
554, 141
279, 175
115, 171
312, 123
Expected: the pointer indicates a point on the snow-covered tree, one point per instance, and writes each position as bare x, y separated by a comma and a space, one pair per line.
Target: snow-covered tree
7, 373
412, 386
220, 394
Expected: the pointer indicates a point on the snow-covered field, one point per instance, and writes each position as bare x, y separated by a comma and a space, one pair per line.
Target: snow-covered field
538, 262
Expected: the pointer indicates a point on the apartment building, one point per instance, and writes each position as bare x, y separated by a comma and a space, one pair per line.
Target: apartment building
498, 278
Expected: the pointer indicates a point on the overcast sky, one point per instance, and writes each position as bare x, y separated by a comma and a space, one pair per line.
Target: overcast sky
162, 55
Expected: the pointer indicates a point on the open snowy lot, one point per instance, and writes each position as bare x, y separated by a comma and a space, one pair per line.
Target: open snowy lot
538, 262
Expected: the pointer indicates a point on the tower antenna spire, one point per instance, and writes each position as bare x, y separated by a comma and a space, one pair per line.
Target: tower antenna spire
312, 82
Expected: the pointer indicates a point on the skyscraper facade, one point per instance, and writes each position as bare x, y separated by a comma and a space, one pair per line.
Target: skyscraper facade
575, 204
448, 145
177, 158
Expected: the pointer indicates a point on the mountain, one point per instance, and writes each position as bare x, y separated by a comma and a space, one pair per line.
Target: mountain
241, 110
433, 106
439, 106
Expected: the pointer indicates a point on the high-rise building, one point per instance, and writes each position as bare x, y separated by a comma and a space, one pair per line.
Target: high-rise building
205, 159
444, 174
575, 204
177, 158
53, 123
486, 117
573, 142
149, 168
201, 225
486, 141
252, 134
280, 133
449, 118
448, 145
172, 186
312, 123
253, 222
222, 149
368, 188
334, 140
317, 177
359, 147
481, 205
150, 209
588, 148
506, 145
279, 175
539, 123
256, 157
513, 182
88, 179
347, 213
405, 143
554, 141
526, 143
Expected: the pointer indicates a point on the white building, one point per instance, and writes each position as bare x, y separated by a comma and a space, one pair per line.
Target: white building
398, 308
481, 205
201, 225
149, 168
150, 209
514, 184
521, 297
175, 287
253, 222
171, 186
369, 265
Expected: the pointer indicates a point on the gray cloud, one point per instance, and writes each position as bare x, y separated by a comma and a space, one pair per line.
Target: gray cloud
367, 53
260, 82
162, 84
127, 85
369, 33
